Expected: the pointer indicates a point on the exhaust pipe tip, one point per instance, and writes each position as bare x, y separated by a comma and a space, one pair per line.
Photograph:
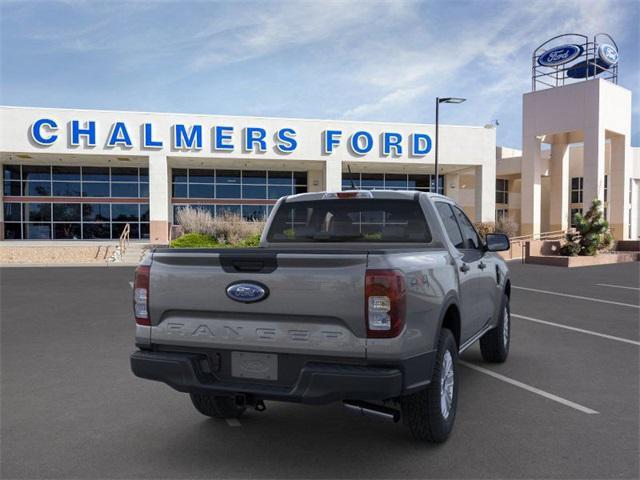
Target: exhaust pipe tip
371, 409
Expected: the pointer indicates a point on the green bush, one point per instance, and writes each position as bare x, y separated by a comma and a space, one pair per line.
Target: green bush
202, 240
195, 240
592, 233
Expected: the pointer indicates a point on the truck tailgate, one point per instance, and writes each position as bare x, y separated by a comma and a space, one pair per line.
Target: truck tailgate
315, 301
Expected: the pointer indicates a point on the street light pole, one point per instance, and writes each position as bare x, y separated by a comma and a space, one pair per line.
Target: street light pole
437, 142
438, 102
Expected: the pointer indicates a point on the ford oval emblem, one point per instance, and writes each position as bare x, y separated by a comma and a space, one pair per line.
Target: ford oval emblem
608, 54
247, 292
560, 55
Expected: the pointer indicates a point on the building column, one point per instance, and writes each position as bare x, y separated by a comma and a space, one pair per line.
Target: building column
593, 167
531, 186
159, 199
559, 204
332, 175
485, 192
618, 190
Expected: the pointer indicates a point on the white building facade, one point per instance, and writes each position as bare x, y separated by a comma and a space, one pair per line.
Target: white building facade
85, 174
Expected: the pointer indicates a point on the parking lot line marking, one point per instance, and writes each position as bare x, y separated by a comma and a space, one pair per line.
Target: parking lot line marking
529, 388
589, 332
611, 302
131, 284
233, 422
616, 286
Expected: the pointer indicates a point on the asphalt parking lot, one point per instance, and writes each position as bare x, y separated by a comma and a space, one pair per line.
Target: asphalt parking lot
564, 405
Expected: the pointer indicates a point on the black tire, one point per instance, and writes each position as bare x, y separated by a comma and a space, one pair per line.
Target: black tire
494, 344
422, 411
216, 406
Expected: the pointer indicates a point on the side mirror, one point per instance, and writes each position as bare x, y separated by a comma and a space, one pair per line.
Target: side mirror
496, 242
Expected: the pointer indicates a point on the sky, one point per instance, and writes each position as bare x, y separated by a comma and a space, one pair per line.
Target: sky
345, 60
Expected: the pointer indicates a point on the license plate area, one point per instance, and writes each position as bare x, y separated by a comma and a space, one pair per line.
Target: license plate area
260, 366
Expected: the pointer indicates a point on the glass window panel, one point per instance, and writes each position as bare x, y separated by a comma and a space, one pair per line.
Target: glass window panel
299, 189
469, 235
96, 212
395, 180
201, 175
229, 209
92, 231
227, 176
254, 177
36, 172
300, 178
144, 230
66, 212
117, 228
279, 191
254, 212
124, 190
450, 224
37, 189
179, 190
211, 209
66, 173
575, 183
254, 191
70, 231
144, 174
373, 180
124, 212
11, 172
197, 190
280, 178
144, 212
227, 191
144, 189
12, 231
575, 198
37, 212
12, 212
418, 181
347, 179
36, 231
93, 189
124, 174
179, 174
12, 188
66, 189
95, 174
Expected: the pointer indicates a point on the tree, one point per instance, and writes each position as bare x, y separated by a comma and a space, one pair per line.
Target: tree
592, 233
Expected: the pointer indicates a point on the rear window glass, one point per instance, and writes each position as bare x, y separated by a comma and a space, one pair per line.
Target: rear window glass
350, 220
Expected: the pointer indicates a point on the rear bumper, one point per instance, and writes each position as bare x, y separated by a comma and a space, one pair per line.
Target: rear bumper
317, 383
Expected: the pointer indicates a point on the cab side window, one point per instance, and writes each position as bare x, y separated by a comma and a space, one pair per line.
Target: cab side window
470, 237
450, 225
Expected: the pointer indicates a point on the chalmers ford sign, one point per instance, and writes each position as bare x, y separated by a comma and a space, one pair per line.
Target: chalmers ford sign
220, 138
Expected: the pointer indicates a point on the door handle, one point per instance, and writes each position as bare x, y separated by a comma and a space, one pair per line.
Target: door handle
482, 266
464, 268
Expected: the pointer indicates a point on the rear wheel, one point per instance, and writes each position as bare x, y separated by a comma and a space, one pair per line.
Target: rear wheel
494, 345
216, 406
430, 413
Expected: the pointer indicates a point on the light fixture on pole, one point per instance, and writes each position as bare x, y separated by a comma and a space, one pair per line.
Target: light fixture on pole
438, 102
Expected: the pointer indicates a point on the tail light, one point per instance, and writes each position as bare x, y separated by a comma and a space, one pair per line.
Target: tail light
385, 303
141, 295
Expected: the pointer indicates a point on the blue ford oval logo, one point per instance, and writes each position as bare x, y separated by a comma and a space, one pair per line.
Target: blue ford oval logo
247, 292
608, 54
560, 55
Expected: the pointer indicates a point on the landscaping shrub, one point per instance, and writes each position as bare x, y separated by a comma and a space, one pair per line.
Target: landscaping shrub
195, 240
225, 229
592, 233
485, 227
507, 226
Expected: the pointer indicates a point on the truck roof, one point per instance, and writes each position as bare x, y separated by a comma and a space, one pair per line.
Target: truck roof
386, 194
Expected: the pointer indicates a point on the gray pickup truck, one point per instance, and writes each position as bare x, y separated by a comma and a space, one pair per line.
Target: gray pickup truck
363, 297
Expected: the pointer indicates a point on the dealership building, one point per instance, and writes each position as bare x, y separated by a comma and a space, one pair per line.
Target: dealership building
86, 174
